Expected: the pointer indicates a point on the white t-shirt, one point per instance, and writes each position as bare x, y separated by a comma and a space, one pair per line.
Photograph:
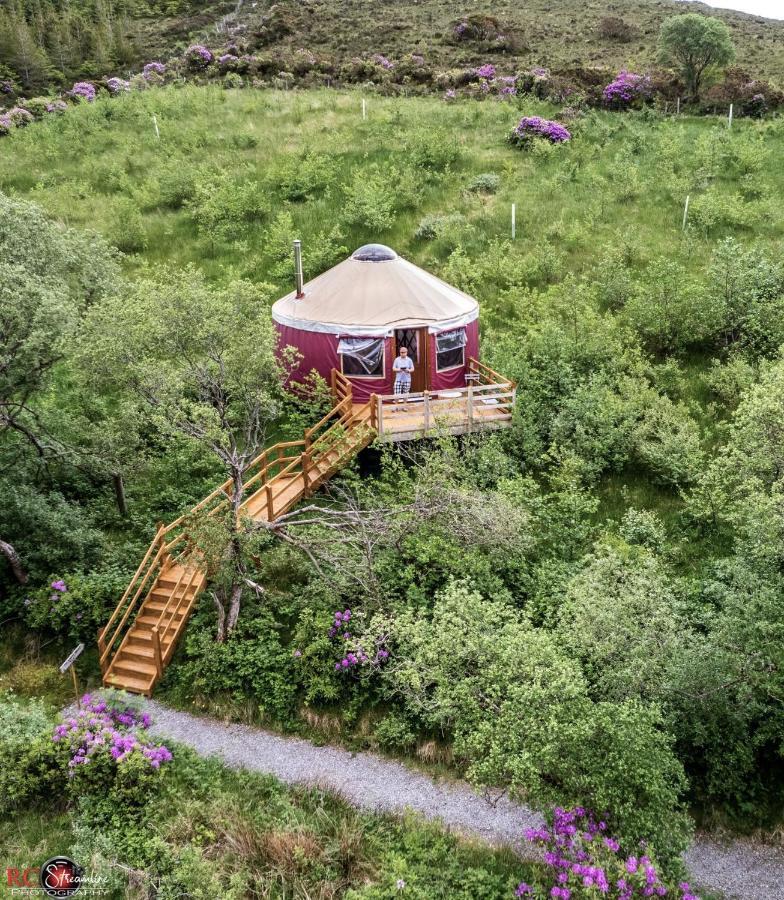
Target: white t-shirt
403, 366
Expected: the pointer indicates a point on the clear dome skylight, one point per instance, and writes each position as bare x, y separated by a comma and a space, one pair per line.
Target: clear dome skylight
374, 253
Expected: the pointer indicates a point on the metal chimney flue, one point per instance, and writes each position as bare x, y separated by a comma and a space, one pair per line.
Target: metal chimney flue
298, 269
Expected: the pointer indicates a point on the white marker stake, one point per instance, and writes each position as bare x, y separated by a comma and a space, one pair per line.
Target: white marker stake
678, 107
685, 213
514, 221
155, 125
364, 109
729, 120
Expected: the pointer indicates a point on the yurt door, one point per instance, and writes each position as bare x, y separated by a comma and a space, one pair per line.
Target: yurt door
415, 341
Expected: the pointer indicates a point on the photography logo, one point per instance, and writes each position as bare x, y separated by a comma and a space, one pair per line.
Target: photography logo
61, 877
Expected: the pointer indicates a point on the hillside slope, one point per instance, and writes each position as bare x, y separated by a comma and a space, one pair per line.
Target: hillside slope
45, 42
545, 32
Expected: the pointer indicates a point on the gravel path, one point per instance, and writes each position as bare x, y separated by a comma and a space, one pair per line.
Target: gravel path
741, 869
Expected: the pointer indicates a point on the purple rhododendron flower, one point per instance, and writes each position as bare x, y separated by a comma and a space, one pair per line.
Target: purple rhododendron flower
153, 68
98, 728
198, 56
117, 85
83, 90
380, 60
627, 87
534, 126
486, 71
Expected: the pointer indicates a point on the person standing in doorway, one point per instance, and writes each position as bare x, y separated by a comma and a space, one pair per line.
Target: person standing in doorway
403, 366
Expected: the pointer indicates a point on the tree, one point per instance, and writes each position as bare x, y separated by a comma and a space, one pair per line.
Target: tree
49, 275
202, 362
695, 44
521, 717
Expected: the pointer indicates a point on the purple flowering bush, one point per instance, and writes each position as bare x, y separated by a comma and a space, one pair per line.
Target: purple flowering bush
6, 125
531, 128
584, 860
627, 88
102, 748
384, 62
353, 651
198, 57
486, 71
153, 69
19, 116
83, 90
117, 85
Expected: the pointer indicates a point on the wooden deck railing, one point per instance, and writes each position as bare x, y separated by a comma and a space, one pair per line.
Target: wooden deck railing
486, 399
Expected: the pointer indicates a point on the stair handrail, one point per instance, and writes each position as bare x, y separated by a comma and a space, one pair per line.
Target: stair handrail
194, 571
139, 581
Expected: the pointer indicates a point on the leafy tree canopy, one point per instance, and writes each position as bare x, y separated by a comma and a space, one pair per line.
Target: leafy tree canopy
695, 43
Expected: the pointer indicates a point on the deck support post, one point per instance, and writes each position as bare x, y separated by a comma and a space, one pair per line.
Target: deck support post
374, 412
470, 403
427, 410
268, 491
156, 651
380, 416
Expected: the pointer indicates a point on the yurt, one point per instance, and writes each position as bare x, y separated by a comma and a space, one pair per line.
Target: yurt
356, 316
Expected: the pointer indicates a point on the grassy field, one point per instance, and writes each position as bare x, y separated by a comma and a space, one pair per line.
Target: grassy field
212, 190
236, 175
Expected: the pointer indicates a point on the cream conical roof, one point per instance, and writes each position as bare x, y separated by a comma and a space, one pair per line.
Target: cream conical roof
374, 295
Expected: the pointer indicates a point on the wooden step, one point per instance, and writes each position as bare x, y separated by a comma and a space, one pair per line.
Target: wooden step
129, 683
138, 653
133, 667
151, 619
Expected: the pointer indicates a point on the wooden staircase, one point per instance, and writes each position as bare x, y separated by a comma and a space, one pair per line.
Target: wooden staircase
139, 639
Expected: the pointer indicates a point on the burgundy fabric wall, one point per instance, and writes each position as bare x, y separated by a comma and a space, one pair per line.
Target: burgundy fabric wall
454, 378
319, 351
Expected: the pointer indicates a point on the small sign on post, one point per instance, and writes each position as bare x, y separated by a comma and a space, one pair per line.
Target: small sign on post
514, 220
729, 118
685, 213
155, 124
69, 664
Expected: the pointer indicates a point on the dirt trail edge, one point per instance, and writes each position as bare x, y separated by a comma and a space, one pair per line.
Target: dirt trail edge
739, 868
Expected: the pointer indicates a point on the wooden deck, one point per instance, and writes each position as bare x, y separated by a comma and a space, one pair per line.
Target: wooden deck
458, 411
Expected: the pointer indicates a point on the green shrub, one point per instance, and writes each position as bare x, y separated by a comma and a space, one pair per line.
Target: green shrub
370, 201
28, 770
75, 605
485, 183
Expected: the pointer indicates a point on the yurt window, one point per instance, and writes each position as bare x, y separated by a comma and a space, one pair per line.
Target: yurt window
450, 349
362, 357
